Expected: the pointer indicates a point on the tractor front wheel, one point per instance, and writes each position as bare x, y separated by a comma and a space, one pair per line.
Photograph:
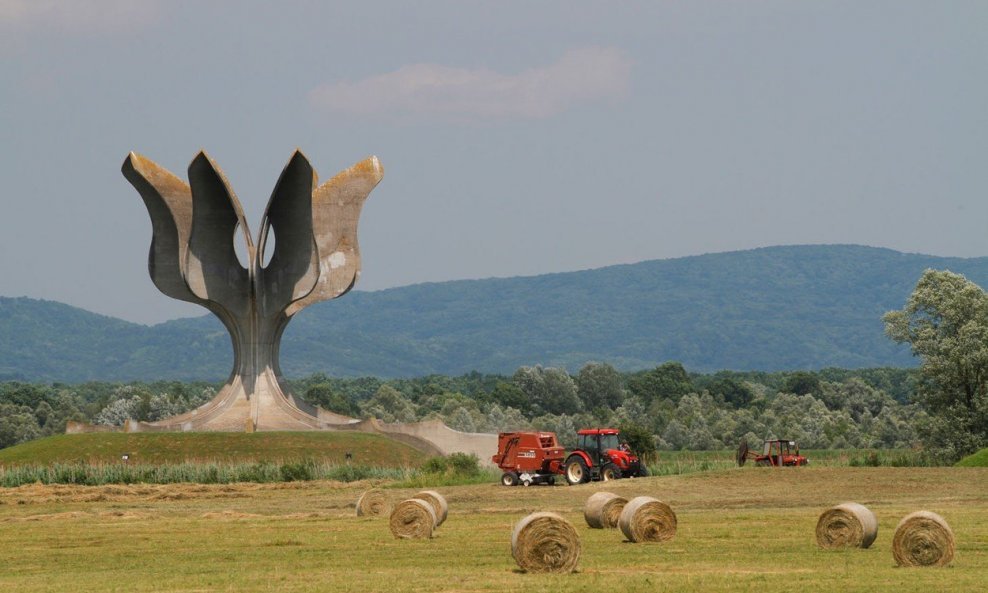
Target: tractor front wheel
610, 472
509, 478
577, 471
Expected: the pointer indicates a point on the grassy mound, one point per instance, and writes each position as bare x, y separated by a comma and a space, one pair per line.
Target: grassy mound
225, 447
979, 459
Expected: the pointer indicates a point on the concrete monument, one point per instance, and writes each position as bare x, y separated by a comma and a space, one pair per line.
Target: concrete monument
315, 257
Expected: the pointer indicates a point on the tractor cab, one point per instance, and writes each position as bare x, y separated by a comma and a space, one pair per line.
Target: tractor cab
596, 443
782, 452
775, 453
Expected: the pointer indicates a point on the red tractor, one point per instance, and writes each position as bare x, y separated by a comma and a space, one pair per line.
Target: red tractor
601, 456
775, 453
528, 457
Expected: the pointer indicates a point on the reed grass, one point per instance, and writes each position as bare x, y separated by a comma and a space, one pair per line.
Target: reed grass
99, 474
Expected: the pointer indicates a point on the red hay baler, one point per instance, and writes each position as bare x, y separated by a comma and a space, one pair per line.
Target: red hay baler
528, 457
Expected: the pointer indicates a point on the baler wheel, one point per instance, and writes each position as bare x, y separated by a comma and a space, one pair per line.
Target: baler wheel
509, 479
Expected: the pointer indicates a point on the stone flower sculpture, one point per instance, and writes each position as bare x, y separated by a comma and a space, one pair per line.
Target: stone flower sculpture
192, 258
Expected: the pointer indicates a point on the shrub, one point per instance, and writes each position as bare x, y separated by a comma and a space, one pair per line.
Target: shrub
464, 464
298, 471
435, 465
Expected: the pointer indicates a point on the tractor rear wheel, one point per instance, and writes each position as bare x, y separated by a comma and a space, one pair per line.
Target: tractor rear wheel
577, 471
509, 478
610, 472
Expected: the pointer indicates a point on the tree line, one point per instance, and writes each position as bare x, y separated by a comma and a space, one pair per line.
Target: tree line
677, 409
942, 406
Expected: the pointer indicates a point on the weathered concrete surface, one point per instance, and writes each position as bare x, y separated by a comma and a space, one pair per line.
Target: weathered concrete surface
192, 258
315, 258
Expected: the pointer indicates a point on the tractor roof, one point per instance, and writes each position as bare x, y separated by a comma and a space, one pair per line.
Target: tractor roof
598, 431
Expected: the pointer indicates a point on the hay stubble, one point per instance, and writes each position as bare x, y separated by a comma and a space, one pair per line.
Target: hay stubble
739, 530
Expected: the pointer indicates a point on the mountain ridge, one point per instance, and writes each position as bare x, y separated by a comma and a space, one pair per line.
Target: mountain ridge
768, 308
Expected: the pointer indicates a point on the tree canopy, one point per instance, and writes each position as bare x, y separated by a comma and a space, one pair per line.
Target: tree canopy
945, 321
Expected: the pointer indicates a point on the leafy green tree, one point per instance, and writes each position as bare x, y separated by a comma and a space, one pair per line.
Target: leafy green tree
676, 435
945, 321
734, 392
461, 419
505, 420
802, 383
323, 395
640, 440
666, 381
17, 424
389, 405
551, 390
509, 395
599, 385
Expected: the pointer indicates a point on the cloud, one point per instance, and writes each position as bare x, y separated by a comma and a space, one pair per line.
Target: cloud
434, 91
77, 16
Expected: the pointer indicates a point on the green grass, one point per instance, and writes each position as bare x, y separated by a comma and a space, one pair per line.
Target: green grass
979, 459
222, 447
670, 463
740, 529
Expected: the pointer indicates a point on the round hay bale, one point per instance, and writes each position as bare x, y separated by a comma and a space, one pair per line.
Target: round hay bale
923, 539
413, 519
603, 509
646, 519
848, 525
438, 504
373, 503
545, 542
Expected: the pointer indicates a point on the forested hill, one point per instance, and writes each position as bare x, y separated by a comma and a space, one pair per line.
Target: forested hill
776, 308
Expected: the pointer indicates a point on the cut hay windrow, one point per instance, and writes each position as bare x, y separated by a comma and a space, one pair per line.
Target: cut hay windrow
413, 519
923, 539
438, 503
847, 525
646, 519
545, 542
603, 510
373, 503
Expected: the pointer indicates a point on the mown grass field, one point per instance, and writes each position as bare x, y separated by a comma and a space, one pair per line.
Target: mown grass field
749, 529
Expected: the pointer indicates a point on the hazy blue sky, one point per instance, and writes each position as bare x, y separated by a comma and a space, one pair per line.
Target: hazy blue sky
517, 137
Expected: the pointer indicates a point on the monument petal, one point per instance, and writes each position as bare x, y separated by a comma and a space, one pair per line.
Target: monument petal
315, 257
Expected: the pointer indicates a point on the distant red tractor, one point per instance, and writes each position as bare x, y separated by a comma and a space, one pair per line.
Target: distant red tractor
601, 456
528, 457
775, 453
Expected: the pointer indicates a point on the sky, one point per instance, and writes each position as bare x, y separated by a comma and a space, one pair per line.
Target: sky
517, 138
